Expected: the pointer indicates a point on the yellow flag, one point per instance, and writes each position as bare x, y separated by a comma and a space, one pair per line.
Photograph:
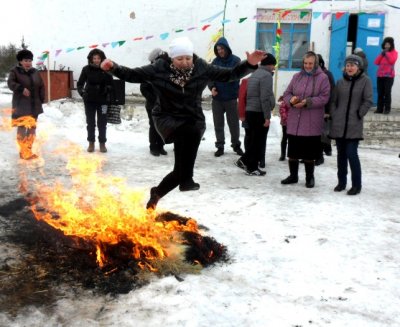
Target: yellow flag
214, 38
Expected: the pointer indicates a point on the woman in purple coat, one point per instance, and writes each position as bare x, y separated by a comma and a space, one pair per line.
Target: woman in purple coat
307, 94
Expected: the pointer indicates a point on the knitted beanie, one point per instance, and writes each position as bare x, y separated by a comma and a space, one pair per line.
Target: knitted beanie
181, 46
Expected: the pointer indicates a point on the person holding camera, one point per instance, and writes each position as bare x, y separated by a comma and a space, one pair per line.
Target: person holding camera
95, 87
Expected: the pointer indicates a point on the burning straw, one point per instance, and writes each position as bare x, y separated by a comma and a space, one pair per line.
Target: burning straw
102, 215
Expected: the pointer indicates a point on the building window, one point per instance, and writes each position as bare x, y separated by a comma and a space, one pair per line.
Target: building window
295, 40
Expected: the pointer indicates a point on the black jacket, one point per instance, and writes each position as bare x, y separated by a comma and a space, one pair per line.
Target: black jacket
18, 80
95, 85
176, 105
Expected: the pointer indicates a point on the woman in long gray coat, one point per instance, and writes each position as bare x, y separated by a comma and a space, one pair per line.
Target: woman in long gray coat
351, 101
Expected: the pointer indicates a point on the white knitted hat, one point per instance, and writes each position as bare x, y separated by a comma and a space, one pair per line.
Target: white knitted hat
181, 46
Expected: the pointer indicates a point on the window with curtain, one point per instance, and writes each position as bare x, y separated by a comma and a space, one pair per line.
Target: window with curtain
294, 44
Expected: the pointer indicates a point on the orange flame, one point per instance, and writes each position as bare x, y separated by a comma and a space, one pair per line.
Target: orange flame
104, 210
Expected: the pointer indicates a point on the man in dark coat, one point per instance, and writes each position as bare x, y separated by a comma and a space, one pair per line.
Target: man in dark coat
224, 100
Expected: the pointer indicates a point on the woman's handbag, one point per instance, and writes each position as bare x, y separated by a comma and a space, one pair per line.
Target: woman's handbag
114, 114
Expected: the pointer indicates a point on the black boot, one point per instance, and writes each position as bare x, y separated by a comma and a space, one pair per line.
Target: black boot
154, 198
294, 173
283, 152
309, 166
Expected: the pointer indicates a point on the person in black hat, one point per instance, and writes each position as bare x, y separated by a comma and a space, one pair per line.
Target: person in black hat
28, 97
95, 86
260, 101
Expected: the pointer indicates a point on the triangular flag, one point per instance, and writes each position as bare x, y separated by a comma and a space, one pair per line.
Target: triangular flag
287, 12
279, 31
225, 21
339, 15
121, 43
178, 31
241, 20
209, 19
191, 28
79, 48
58, 52
303, 14
325, 14
163, 36
149, 37
114, 44
105, 44
316, 14
205, 27
93, 46
44, 56
138, 38
70, 49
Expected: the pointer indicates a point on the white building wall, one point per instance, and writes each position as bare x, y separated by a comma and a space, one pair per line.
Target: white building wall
72, 23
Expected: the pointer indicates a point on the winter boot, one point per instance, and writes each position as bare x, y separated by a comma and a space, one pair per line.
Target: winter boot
309, 167
103, 148
219, 152
294, 173
189, 185
283, 152
162, 151
90, 147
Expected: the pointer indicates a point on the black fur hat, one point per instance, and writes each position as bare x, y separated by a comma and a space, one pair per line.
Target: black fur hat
95, 52
24, 54
389, 40
268, 60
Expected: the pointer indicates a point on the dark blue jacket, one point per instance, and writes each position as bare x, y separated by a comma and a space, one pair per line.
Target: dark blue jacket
226, 91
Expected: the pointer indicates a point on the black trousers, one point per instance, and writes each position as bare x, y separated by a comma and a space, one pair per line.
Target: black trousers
155, 140
92, 110
384, 86
256, 135
186, 145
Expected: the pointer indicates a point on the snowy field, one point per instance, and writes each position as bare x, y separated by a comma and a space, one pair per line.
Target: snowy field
300, 257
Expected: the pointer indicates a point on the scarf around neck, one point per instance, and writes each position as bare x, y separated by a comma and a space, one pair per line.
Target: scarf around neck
180, 76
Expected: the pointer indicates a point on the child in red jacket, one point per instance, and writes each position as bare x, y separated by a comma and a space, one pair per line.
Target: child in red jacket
283, 112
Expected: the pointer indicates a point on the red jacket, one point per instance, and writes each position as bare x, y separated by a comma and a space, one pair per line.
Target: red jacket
385, 62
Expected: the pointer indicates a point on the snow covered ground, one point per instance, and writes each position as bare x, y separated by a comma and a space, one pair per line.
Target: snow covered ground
301, 257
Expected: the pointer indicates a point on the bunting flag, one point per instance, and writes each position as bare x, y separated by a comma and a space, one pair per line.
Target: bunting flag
325, 14
210, 19
164, 36
339, 15
316, 14
395, 7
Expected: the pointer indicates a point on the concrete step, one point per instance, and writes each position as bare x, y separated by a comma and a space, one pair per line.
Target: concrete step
382, 130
